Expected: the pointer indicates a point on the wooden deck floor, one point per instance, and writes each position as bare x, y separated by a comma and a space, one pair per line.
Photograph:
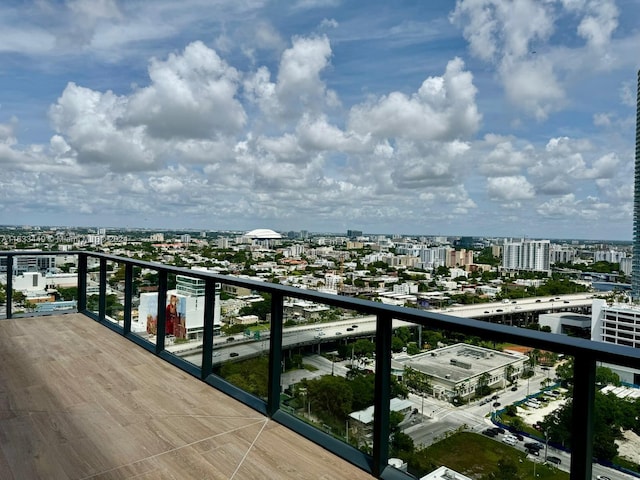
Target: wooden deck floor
78, 401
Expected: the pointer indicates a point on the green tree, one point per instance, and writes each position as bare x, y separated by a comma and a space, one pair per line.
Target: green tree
606, 376
70, 293
331, 395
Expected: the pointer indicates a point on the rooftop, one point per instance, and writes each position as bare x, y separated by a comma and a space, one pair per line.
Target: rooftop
79, 401
459, 362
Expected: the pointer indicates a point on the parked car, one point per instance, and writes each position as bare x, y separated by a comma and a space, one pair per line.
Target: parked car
489, 433
602, 477
533, 451
554, 460
234, 354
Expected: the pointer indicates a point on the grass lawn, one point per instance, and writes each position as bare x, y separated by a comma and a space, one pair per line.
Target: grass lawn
476, 455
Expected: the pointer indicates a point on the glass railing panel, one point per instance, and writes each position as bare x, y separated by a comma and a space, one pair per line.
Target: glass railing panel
93, 284
144, 303
185, 317
41, 284
475, 405
329, 370
114, 302
241, 338
616, 447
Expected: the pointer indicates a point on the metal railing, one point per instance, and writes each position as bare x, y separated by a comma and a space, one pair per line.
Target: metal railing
586, 353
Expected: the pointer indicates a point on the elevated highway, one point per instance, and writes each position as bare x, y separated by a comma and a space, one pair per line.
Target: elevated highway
240, 346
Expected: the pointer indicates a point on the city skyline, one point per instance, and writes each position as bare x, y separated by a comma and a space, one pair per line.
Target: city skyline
480, 118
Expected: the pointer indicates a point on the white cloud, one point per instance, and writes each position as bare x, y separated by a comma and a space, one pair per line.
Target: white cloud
191, 96
443, 108
299, 86
510, 188
532, 85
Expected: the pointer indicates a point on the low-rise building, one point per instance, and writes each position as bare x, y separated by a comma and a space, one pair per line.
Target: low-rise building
458, 370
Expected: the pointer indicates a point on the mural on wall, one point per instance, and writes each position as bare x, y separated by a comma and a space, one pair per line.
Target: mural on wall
176, 317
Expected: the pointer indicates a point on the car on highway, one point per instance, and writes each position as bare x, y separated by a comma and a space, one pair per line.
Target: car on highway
338, 333
533, 446
602, 477
354, 326
499, 310
514, 388
350, 329
234, 354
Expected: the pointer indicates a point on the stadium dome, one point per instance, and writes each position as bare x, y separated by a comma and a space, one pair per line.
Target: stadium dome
262, 234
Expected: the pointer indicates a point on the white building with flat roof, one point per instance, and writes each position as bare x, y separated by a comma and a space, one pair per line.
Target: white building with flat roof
457, 370
618, 324
444, 473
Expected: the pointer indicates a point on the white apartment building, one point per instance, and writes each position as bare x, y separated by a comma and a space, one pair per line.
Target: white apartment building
611, 256
530, 255
561, 254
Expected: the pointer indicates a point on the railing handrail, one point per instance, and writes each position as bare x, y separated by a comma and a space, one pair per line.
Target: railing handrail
602, 352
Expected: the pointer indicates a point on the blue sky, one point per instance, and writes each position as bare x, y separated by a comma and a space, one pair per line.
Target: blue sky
475, 117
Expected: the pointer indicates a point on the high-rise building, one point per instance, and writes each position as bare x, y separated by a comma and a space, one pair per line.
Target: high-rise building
635, 274
620, 323
531, 255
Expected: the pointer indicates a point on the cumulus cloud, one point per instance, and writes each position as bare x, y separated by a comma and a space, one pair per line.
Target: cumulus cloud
443, 108
515, 37
192, 95
510, 188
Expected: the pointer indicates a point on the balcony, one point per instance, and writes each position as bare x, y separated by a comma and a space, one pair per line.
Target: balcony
81, 402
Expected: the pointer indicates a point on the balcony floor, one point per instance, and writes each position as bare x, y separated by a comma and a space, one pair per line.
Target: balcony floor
78, 401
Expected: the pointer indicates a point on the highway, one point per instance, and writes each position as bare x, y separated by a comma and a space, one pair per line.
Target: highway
319, 333
521, 305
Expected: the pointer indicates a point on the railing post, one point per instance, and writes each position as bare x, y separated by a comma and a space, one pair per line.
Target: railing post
161, 325
9, 286
382, 401
82, 282
102, 286
275, 354
128, 294
584, 381
207, 333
